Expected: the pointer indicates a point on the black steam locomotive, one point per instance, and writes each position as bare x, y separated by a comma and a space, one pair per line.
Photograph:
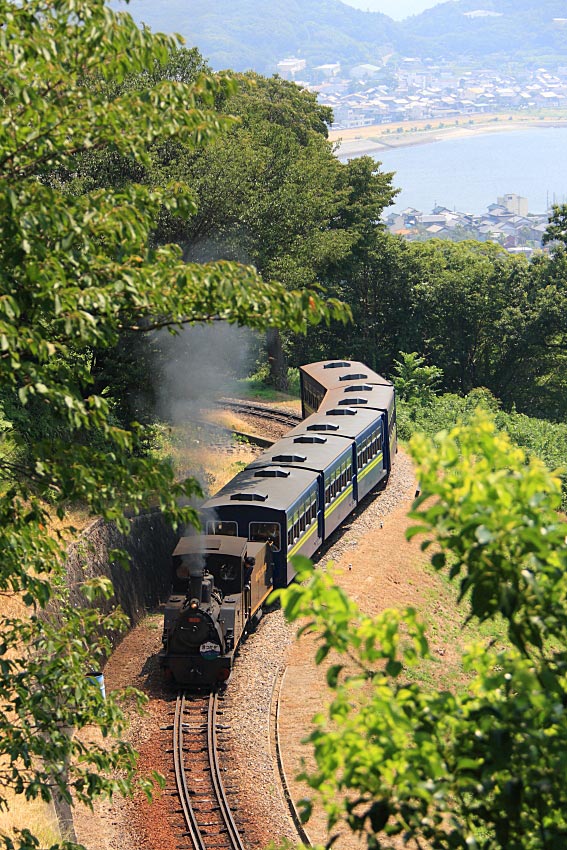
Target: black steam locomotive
219, 585
287, 502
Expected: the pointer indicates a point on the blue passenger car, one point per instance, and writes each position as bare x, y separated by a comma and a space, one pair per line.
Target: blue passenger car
364, 430
295, 494
277, 504
380, 398
331, 457
317, 379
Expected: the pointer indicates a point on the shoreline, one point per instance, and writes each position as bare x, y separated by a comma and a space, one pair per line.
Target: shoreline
374, 139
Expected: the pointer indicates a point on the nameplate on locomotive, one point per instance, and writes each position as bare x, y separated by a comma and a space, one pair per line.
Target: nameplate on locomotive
210, 649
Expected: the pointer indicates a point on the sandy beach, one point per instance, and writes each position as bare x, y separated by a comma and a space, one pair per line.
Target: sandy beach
362, 141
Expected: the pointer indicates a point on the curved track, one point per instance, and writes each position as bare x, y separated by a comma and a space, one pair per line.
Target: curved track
276, 699
204, 803
261, 410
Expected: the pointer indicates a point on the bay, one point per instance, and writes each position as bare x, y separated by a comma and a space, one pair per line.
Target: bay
467, 174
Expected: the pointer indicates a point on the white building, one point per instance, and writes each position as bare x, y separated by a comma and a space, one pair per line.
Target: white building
288, 68
331, 69
514, 204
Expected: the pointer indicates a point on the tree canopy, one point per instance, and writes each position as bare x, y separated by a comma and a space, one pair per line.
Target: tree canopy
270, 191
78, 268
557, 227
484, 317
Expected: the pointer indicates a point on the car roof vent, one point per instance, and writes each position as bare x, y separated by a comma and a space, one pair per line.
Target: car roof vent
272, 473
359, 388
336, 364
249, 497
307, 438
355, 377
324, 426
345, 401
344, 411
289, 458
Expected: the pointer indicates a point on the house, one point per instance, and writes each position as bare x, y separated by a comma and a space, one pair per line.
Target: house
364, 71
331, 69
427, 220
289, 68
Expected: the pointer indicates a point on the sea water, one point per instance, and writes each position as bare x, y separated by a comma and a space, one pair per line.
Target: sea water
467, 174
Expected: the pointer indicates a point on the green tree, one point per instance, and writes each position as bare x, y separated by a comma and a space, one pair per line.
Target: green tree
556, 230
415, 382
375, 276
488, 319
529, 367
267, 192
459, 300
484, 767
271, 193
76, 271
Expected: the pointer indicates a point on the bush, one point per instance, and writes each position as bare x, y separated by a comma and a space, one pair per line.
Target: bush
539, 437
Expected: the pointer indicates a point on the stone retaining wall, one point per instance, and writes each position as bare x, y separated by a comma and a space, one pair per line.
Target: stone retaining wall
138, 589
141, 587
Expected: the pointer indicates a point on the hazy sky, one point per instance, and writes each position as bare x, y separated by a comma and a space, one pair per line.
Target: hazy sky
397, 9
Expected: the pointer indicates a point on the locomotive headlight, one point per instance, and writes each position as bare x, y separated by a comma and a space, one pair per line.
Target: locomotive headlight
194, 603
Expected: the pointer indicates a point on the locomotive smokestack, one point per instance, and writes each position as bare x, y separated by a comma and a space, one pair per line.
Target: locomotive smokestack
196, 572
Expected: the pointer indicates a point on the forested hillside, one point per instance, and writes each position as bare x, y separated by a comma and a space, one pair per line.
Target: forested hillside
246, 35
509, 31
243, 35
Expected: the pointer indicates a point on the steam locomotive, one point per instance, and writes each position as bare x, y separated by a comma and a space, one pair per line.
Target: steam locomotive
287, 502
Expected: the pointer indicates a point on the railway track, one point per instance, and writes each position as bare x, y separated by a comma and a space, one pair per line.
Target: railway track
260, 410
276, 741
208, 819
204, 804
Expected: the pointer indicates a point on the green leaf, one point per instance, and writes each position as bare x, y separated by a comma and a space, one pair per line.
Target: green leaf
333, 674
439, 560
393, 668
100, 586
321, 654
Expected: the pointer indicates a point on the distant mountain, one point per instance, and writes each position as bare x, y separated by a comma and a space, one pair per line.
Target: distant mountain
257, 34
512, 30
396, 9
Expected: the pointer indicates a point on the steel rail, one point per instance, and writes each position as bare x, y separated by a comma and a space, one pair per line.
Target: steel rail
262, 411
226, 814
181, 778
286, 791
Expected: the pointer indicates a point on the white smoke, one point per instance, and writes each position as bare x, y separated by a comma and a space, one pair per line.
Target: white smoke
199, 365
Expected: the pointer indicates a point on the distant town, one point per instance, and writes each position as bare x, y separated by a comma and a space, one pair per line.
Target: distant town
506, 222
417, 89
